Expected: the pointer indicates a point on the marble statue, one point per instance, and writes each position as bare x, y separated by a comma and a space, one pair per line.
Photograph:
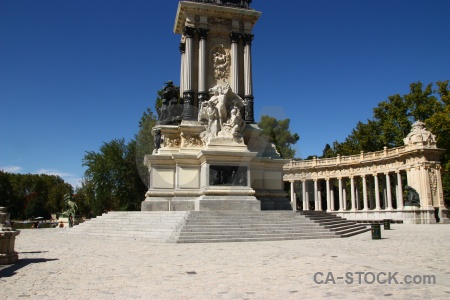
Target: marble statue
222, 112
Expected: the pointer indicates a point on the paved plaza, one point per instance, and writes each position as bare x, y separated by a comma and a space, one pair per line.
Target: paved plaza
59, 266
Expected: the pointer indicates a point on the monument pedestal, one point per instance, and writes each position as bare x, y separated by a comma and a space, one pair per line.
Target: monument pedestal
219, 174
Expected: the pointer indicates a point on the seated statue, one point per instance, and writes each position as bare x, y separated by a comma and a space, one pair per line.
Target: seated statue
412, 198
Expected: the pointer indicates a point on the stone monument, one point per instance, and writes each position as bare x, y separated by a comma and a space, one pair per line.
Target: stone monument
7, 239
209, 153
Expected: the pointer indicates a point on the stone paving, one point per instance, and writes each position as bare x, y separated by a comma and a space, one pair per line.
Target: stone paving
59, 266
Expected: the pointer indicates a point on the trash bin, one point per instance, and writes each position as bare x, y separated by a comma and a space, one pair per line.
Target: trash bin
376, 232
387, 224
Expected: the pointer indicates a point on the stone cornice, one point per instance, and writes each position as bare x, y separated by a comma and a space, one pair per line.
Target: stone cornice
209, 10
380, 162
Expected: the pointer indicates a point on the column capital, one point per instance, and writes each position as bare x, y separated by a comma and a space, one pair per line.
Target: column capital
248, 38
203, 33
189, 31
182, 48
235, 36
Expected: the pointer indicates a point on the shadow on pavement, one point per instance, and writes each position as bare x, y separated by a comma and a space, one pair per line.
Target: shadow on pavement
10, 270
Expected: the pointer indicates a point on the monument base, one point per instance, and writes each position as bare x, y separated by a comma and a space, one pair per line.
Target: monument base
7, 241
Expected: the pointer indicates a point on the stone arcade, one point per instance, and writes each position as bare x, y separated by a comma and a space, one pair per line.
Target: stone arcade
376, 182
209, 154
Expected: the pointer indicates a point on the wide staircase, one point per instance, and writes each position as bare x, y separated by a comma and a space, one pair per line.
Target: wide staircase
217, 226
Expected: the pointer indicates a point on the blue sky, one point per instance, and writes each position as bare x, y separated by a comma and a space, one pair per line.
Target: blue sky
75, 74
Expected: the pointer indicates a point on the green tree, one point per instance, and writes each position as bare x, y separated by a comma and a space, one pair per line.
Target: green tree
113, 173
279, 134
145, 143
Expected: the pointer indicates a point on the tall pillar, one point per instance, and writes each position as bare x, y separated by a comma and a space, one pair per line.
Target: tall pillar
235, 37
364, 184
439, 190
248, 80
202, 92
328, 194
304, 198
316, 196
399, 191
293, 200
388, 191
341, 200
352, 193
182, 71
188, 93
377, 192
332, 196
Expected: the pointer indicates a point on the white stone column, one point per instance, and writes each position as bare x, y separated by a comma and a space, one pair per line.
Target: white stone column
248, 79
440, 190
202, 91
316, 196
188, 93
426, 192
364, 184
328, 194
182, 71
235, 37
352, 193
293, 200
304, 198
341, 206
388, 191
189, 57
377, 192
399, 191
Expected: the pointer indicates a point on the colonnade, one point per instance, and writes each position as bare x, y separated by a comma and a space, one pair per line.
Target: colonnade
367, 192
194, 89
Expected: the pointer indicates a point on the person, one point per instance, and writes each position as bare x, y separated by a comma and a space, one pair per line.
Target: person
61, 224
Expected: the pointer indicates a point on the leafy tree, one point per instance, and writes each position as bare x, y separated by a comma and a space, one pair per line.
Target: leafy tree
56, 194
279, 134
113, 174
145, 143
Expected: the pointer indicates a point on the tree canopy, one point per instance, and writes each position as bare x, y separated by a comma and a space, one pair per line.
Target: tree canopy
32, 195
279, 134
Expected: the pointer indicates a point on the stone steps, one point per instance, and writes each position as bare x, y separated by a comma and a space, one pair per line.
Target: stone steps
216, 226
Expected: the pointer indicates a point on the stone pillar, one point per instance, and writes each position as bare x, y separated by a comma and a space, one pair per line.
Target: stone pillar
352, 193
235, 37
182, 71
439, 189
7, 239
293, 200
316, 196
377, 192
399, 191
328, 194
202, 92
305, 198
364, 184
188, 93
341, 206
248, 80
388, 191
